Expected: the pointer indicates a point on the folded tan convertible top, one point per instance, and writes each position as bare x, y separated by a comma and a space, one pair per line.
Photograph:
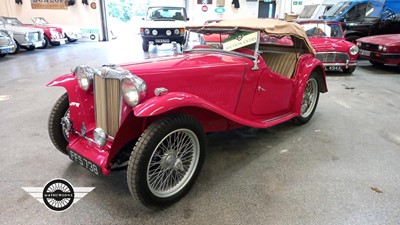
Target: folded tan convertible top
268, 26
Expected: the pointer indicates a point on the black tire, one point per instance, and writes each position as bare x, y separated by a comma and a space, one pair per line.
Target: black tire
70, 39
142, 156
145, 46
54, 125
17, 48
46, 42
349, 70
30, 48
352, 38
2, 55
302, 119
377, 64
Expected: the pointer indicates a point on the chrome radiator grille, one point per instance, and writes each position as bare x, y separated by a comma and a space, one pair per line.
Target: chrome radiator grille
107, 100
332, 57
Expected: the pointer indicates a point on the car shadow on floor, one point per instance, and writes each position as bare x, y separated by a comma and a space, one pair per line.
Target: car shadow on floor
226, 154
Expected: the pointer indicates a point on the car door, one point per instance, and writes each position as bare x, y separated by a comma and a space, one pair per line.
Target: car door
273, 95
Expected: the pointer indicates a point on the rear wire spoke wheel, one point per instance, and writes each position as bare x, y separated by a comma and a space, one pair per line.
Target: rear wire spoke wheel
309, 101
166, 161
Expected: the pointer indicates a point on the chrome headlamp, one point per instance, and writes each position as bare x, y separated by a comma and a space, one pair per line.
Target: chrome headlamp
85, 76
354, 50
133, 89
382, 48
176, 31
146, 31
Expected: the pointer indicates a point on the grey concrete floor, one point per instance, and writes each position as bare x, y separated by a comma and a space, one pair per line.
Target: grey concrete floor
319, 173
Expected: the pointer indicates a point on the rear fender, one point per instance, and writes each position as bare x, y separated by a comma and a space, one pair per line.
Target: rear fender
313, 65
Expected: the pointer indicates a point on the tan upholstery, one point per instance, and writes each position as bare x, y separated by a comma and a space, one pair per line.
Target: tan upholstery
283, 63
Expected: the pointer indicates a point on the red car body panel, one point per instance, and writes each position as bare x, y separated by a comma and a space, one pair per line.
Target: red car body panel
370, 48
218, 89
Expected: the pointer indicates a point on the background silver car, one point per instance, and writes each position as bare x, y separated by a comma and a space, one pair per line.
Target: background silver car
26, 38
7, 44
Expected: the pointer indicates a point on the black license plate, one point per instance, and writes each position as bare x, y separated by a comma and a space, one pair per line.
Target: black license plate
85, 163
162, 41
332, 68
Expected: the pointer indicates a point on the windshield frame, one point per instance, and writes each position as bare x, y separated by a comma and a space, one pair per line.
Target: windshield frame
223, 31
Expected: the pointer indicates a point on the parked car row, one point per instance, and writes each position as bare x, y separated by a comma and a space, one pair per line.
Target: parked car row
14, 35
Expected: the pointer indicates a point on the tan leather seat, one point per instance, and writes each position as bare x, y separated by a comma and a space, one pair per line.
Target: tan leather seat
283, 63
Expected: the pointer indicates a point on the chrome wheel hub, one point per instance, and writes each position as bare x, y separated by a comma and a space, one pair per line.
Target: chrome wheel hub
66, 125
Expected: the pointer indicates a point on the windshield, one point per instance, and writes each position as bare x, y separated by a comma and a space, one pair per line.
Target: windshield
337, 9
39, 20
374, 9
166, 13
13, 21
322, 30
308, 11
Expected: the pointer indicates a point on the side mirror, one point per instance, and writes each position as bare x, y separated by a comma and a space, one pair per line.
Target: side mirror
323, 17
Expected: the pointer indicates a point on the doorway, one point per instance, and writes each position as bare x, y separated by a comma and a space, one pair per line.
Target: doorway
266, 9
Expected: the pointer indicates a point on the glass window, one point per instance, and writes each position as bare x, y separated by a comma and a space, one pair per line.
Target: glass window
308, 11
165, 13
337, 9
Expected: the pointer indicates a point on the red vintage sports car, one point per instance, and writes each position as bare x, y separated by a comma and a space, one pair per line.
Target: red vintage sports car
332, 49
380, 49
152, 116
52, 35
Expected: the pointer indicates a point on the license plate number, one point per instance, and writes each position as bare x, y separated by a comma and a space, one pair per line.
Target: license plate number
62, 42
162, 40
365, 53
85, 163
38, 44
332, 68
5, 51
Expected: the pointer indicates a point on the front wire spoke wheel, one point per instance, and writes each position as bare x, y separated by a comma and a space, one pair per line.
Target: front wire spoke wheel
174, 172
166, 160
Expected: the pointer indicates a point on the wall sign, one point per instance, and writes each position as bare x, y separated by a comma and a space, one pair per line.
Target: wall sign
54, 4
219, 10
297, 3
203, 2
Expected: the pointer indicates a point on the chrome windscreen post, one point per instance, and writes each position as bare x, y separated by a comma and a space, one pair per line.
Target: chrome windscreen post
187, 36
255, 67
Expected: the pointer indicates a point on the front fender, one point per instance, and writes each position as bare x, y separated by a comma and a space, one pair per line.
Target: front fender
66, 81
161, 104
158, 105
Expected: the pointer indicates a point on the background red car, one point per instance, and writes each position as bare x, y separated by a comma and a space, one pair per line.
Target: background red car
332, 49
380, 49
52, 35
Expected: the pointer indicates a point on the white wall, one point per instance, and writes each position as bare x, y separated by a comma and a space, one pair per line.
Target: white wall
78, 15
286, 6
246, 10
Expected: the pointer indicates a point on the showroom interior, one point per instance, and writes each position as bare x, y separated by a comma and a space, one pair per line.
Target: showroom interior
200, 111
